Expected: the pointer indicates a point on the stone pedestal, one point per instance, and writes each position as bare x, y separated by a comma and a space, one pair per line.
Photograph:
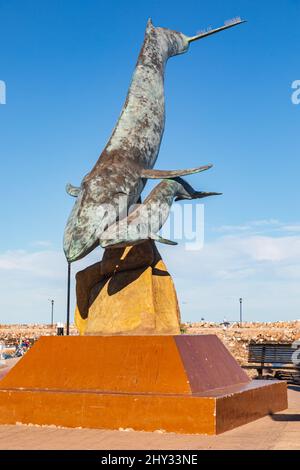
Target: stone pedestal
129, 292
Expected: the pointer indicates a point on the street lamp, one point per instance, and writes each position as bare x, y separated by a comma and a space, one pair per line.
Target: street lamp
241, 311
68, 297
52, 307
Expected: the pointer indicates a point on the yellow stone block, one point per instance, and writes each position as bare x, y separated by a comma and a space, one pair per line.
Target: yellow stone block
128, 301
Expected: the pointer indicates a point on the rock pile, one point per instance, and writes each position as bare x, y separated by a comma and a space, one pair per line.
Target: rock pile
11, 335
235, 337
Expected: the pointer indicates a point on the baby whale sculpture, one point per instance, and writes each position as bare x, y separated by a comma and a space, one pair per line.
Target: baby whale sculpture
127, 161
147, 219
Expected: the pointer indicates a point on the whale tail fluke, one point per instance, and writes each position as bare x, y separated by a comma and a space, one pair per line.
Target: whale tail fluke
197, 195
186, 191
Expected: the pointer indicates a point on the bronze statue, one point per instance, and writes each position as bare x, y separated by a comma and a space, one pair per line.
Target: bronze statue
130, 290
121, 172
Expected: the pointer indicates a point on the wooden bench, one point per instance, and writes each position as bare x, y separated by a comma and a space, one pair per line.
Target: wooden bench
273, 357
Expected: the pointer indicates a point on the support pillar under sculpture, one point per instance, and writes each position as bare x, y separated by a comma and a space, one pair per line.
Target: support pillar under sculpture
129, 292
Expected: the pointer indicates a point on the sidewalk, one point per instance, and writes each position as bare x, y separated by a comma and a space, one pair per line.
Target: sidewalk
281, 431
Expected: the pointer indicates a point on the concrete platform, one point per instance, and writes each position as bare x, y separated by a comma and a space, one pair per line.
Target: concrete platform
278, 432
183, 384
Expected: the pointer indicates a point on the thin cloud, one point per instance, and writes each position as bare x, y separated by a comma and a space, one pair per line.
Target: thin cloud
42, 243
264, 270
257, 227
291, 228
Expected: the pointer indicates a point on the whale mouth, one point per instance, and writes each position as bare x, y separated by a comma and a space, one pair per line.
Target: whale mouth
112, 244
121, 243
75, 251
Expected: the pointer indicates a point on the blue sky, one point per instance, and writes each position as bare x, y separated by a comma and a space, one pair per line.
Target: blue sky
67, 67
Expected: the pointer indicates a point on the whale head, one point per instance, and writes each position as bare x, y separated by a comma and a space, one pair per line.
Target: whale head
95, 209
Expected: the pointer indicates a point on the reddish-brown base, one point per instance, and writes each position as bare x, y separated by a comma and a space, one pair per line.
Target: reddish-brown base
182, 384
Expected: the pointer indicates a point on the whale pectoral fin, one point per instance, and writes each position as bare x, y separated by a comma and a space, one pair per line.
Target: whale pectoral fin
161, 174
197, 195
158, 238
72, 190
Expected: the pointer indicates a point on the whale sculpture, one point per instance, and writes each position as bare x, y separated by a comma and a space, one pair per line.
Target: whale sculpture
118, 178
147, 219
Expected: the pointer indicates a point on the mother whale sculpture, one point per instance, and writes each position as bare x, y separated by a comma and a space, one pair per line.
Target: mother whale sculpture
116, 181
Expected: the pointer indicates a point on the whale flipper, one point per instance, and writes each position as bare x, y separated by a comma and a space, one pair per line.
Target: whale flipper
72, 190
169, 174
158, 238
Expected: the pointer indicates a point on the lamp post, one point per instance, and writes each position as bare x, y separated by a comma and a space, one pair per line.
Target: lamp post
52, 308
68, 297
241, 311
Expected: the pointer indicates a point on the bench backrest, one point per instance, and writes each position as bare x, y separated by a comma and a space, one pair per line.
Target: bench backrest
270, 353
